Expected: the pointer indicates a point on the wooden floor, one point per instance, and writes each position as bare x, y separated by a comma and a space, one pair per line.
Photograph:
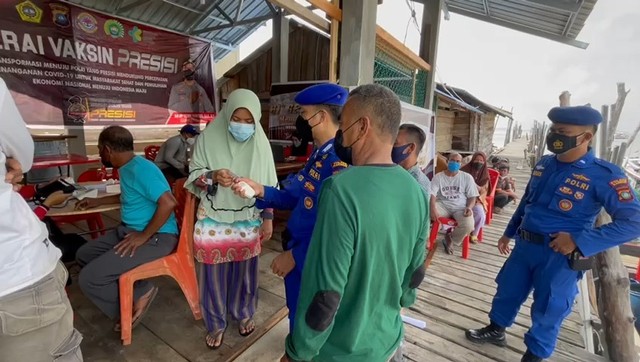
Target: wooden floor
456, 295
168, 332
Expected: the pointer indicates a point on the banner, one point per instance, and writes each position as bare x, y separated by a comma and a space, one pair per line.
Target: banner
66, 65
424, 119
283, 110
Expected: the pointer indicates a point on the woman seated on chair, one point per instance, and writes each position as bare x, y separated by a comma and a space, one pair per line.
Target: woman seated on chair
479, 170
229, 229
505, 189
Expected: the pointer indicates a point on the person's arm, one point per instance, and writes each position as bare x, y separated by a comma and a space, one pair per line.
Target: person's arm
15, 139
325, 275
621, 204
471, 191
166, 203
208, 106
278, 199
174, 99
516, 218
173, 145
414, 275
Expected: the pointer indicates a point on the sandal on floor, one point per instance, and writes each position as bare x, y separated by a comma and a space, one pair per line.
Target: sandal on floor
137, 321
248, 325
447, 242
215, 337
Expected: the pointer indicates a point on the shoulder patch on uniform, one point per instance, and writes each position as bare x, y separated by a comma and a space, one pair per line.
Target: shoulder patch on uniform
339, 164
621, 182
625, 195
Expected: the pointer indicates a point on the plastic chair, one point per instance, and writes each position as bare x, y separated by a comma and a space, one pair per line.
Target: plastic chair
435, 228
179, 265
494, 176
150, 152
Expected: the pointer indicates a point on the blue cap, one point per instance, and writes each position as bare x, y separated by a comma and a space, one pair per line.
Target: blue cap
579, 115
190, 129
326, 93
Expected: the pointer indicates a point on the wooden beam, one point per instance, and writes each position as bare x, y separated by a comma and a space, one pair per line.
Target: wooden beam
299, 10
413, 57
335, 13
334, 41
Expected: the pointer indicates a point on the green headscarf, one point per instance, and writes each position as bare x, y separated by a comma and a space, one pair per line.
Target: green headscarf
217, 149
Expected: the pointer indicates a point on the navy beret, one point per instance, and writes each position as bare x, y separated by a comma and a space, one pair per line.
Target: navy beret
326, 93
579, 115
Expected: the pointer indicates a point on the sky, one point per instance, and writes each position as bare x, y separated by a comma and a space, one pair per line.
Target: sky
508, 69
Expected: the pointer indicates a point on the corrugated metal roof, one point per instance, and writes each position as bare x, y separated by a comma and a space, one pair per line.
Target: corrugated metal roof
558, 20
225, 22
468, 100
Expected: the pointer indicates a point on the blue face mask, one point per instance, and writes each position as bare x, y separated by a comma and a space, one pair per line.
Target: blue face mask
398, 153
453, 166
241, 131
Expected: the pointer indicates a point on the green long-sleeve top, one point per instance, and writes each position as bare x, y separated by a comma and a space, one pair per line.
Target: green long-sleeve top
365, 260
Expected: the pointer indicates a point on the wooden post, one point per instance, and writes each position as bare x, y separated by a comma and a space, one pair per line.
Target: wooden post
429, 45
613, 297
334, 41
565, 99
604, 147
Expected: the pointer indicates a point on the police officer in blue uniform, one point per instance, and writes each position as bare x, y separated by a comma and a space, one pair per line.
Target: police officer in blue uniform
554, 231
321, 106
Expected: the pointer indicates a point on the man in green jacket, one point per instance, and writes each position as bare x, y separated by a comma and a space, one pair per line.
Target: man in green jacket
366, 256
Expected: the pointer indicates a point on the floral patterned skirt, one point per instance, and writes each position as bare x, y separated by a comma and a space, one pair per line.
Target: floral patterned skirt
217, 242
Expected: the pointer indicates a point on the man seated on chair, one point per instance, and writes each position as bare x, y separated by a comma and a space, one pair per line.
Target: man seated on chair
505, 189
148, 230
172, 158
406, 150
453, 194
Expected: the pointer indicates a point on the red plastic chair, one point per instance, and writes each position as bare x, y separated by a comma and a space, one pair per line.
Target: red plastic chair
150, 152
94, 220
435, 228
179, 265
494, 176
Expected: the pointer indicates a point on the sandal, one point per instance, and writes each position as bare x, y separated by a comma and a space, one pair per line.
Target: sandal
447, 242
248, 325
214, 337
117, 327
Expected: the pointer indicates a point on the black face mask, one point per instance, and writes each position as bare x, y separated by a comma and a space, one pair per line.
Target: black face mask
477, 165
303, 129
344, 152
189, 74
559, 144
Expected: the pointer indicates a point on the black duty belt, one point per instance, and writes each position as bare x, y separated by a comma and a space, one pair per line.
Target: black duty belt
534, 238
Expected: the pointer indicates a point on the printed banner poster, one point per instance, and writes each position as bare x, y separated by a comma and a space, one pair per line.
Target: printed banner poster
66, 65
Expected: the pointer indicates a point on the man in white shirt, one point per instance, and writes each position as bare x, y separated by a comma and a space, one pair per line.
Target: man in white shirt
453, 194
173, 158
36, 319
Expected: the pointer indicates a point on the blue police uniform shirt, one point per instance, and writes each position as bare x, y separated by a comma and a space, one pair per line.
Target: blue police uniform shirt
567, 197
300, 192
141, 185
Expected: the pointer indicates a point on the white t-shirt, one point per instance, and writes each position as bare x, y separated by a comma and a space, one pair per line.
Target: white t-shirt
453, 191
26, 255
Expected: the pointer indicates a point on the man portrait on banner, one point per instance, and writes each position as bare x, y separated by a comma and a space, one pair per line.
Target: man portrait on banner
188, 96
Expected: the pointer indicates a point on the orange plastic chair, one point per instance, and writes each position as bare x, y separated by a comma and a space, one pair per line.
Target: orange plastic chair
494, 176
179, 265
435, 227
150, 152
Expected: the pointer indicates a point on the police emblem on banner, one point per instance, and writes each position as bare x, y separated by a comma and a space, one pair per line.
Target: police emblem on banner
60, 15
87, 23
29, 12
113, 28
77, 109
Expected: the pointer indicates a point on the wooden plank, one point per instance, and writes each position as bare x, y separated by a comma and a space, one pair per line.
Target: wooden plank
334, 41
299, 10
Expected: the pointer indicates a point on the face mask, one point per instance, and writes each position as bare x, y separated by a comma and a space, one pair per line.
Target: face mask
189, 74
398, 153
559, 144
477, 165
241, 131
453, 166
344, 152
191, 141
303, 129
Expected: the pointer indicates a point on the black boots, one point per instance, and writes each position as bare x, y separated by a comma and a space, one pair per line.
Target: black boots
490, 334
530, 357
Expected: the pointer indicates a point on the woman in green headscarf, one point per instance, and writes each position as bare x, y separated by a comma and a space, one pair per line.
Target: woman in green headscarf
229, 229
